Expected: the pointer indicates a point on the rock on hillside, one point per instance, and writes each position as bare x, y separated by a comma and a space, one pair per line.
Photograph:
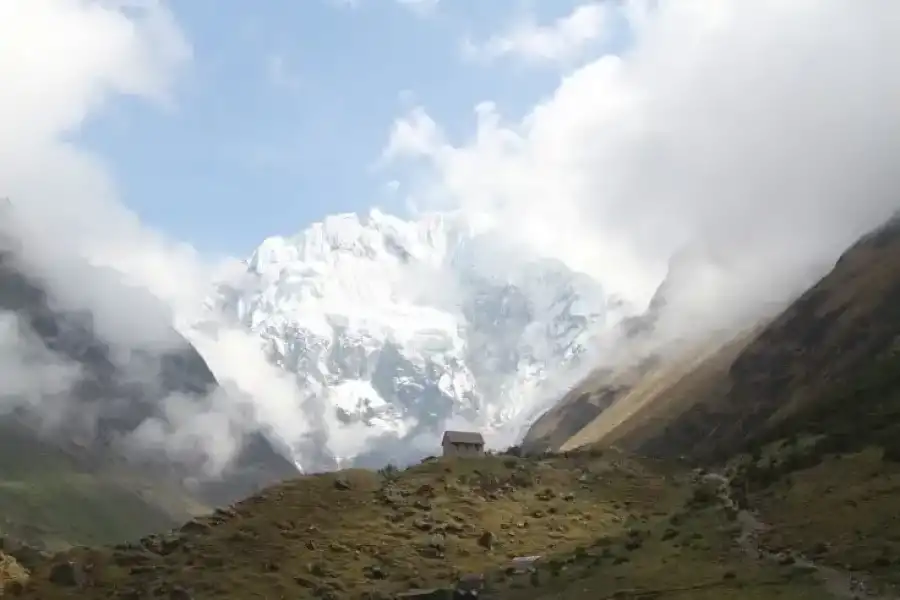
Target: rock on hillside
11, 573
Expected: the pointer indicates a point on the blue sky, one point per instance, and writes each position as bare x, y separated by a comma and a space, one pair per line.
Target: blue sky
286, 106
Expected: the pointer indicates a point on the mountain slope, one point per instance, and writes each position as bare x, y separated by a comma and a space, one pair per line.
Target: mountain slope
672, 386
604, 526
606, 523
827, 364
393, 329
802, 413
69, 401
654, 369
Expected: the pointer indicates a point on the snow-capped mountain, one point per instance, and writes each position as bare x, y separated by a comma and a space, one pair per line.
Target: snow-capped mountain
396, 330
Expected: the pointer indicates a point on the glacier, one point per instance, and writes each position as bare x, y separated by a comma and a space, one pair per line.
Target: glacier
396, 329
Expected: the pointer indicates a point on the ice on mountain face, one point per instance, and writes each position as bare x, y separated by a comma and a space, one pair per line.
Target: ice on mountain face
395, 329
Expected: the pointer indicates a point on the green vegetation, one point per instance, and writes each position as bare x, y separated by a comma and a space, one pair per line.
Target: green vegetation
604, 524
837, 509
804, 416
696, 559
855, 414
49, 499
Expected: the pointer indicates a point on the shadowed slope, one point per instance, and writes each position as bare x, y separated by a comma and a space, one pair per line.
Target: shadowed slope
64, 475
828, 361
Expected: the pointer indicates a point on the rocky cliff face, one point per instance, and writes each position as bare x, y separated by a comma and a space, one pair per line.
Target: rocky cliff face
396, 330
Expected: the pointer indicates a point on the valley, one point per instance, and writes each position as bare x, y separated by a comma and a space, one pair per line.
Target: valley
664, 480
440, 300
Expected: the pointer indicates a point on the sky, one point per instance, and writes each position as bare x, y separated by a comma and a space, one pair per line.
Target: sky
279, 116
165, 140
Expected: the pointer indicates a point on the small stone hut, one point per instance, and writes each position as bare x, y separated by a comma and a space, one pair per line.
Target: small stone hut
463, 443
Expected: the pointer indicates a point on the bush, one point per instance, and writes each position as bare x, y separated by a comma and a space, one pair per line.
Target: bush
704, 495
514, 451
389, 472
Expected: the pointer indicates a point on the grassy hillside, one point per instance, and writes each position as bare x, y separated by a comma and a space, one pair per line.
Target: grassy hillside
50, 498
661, 394
76, 488
805, 412
607, 526
629, 406
838, 508
580, 406
802, 416
841, 510
828, 364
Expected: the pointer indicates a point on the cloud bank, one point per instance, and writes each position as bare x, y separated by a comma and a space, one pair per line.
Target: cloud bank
61, 63
761, 136
566, 39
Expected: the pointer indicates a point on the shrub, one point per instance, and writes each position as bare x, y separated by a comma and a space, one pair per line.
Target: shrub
704, 495
389, 472
514, 451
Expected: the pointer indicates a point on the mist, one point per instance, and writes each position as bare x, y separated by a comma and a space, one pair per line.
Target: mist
760, 137
62, 61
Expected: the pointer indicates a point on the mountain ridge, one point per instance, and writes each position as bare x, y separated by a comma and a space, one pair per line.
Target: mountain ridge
602, 516
398, 329
727, 392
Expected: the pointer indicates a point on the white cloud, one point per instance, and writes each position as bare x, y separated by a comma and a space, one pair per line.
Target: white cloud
62, 62
765, 133
567, 38
417, 134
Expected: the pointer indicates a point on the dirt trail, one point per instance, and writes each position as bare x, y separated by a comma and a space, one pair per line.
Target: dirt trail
838, 583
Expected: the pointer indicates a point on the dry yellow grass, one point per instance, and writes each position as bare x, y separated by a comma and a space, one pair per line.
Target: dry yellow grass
10, 572
694, 559
711, 401
665, 391
426, 527
603, 523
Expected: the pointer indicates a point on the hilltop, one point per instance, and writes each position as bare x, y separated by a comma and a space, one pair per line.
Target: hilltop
602, 522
